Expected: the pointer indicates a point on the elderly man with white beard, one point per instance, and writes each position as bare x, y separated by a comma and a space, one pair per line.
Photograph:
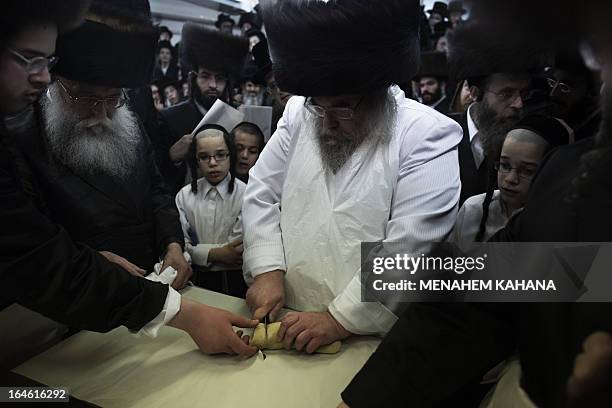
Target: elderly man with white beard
352, 160
95, 166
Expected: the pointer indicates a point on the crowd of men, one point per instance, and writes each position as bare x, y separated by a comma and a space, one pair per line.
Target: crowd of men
132, 167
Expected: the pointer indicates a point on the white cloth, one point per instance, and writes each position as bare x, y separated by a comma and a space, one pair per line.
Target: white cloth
211, 218
475, 139
172, 304
468, 220
299, 220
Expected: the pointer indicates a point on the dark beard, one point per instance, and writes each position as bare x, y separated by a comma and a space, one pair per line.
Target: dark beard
336, 149
492, 130
206, 101
431, 98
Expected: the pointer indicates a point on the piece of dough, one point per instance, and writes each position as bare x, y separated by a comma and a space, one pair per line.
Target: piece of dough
260, 341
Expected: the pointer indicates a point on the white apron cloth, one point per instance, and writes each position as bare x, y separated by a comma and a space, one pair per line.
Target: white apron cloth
325, 218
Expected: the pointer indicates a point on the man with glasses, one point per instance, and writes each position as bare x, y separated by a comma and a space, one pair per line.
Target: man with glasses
94, 164
499, 81
41, 267
575, 94
213, 59
352, 160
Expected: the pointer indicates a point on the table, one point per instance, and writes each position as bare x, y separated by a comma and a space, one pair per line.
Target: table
119, 369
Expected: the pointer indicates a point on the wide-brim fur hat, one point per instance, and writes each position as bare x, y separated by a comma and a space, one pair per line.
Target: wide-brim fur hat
213, 50
319, 48
115, 46
16, 14
433, 64
477, 50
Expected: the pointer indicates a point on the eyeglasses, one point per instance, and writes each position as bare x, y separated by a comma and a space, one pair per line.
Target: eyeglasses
110, 103
36, 65
563, 87
219, 157
510, 96
338, 113
207, 76
524, 174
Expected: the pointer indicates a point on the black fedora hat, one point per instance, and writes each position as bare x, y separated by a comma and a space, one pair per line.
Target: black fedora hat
456, 6
440, 8
224, 18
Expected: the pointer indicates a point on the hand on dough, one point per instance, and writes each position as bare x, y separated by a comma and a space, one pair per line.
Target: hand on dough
271, 342
309, 330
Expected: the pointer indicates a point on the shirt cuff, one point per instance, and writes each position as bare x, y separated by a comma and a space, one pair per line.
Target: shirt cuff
170, 309
360, 317
261, 259
199, 253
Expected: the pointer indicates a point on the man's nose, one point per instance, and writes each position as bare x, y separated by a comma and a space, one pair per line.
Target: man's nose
329, 121
41, 79
517, 103
100, 111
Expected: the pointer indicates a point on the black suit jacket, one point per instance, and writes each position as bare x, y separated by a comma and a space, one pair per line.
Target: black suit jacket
435, 350
473, 180
175, 122
42, 269
172, 74
134, 218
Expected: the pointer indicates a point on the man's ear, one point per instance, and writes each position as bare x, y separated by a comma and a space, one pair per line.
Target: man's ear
475, 93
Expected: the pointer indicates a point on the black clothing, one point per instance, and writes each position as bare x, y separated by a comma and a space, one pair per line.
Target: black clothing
175, 122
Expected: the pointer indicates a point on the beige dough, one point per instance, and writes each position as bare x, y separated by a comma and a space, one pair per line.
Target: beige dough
259, 340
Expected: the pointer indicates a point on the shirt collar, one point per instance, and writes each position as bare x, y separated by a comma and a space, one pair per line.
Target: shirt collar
205, 187
472, 128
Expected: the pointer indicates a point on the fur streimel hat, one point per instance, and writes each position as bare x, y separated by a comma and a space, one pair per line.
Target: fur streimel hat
322, 48
477, 50
115, 46
213, 50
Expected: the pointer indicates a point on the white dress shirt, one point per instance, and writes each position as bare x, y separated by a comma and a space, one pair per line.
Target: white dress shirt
310, 224
475, 139
211, 218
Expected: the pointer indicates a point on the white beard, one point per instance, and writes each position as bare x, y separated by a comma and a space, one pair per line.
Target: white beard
377, 129
91, 146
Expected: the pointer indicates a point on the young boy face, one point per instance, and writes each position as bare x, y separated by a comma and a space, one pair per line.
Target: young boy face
247, 148
213, 155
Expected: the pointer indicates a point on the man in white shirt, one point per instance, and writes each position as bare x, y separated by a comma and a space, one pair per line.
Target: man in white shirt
354, 161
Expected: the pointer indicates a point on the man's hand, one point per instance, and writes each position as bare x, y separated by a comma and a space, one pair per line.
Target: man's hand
124, 263
230, 254
211, 328
174, 258
310, 330
591, 381
179, 150
267, 295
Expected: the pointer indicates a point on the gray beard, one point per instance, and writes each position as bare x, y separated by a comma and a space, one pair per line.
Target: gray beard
254, 100
90, 147
377, 129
